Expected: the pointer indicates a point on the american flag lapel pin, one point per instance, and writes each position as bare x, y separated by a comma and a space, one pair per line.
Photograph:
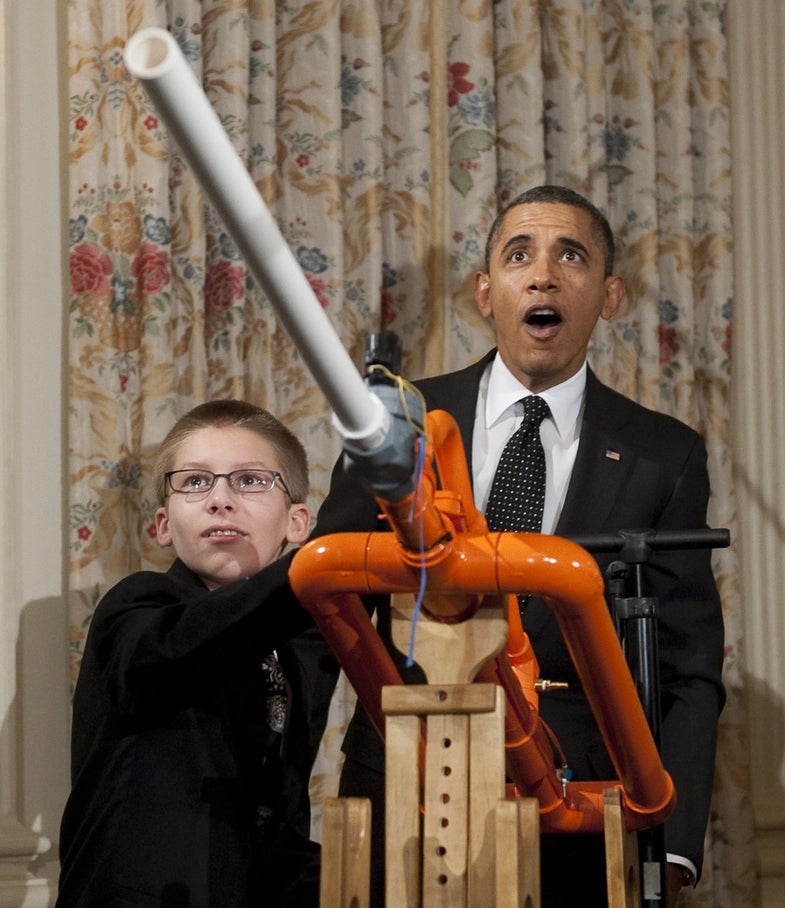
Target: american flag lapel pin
612, 455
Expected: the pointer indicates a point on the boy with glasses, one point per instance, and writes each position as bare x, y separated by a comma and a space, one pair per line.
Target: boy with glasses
190, 751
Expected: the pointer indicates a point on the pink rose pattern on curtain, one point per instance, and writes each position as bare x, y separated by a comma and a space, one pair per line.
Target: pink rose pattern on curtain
382, 137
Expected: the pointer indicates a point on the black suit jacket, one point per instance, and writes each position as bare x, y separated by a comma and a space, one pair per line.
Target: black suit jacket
179, 794
659, 481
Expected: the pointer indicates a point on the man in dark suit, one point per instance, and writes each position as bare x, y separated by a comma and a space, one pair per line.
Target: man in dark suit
611, 464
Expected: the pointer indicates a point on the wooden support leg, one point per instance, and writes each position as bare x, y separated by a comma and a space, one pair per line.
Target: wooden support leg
441, 822
446, 812
486, 788
402, 816
518, 854
346, 853
621, 855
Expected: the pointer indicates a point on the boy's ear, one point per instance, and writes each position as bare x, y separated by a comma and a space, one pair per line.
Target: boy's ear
299, 523
162, 527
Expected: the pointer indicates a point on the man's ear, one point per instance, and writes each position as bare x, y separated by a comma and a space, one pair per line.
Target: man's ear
299, 524
615, 291
162, 527
482, 293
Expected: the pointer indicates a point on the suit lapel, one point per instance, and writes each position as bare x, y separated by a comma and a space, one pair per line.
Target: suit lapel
457, 393
603, 464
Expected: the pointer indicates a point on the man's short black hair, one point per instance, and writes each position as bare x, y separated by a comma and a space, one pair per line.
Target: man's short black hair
557, 195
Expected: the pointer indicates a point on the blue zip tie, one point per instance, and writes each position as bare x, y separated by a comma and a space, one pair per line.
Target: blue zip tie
423, 572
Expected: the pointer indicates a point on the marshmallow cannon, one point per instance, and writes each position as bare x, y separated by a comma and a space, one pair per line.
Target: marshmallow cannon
469, 630
468, 570
439, 542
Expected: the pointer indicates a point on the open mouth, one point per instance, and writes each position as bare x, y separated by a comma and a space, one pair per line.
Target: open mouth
543, 318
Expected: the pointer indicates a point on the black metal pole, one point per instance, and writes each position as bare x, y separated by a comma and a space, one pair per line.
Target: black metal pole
638, 615
635, 618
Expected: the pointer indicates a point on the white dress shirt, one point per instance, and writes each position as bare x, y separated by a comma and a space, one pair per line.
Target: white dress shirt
498, 416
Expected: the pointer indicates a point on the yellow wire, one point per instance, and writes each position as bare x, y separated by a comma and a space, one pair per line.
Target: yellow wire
403, 386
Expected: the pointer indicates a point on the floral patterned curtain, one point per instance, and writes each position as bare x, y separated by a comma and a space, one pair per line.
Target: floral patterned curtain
382, 137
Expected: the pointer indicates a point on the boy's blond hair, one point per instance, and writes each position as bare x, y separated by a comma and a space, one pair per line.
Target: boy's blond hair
288, 450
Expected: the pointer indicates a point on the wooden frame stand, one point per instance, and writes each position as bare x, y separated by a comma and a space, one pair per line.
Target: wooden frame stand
452, 840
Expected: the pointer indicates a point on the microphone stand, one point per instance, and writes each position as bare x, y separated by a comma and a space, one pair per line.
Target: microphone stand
635, 617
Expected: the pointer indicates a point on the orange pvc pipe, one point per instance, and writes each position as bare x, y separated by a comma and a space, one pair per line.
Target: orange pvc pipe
463, 562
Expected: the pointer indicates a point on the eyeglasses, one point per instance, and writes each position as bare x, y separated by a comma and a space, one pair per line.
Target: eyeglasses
197, 483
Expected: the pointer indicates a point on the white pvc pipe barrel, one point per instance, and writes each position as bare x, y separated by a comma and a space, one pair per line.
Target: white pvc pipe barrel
153, 56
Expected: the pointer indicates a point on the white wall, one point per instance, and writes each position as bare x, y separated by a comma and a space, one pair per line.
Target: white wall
34, 701
757, 70
44, 705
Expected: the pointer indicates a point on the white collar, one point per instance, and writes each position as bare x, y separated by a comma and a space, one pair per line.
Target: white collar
565, 400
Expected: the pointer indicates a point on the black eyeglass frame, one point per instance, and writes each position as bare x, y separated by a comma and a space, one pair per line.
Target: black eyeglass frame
276, 479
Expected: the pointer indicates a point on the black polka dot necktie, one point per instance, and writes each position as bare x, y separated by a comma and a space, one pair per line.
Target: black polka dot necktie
517, 495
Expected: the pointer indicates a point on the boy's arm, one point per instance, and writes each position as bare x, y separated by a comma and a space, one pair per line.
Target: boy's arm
158, 637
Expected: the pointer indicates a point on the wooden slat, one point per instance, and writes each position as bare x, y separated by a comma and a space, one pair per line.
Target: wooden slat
486, 787
518, 854
346, 852
446, 812
402, 811
621, 855
426, 699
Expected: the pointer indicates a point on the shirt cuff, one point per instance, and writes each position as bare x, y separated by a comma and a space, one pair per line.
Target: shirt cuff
690, 871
